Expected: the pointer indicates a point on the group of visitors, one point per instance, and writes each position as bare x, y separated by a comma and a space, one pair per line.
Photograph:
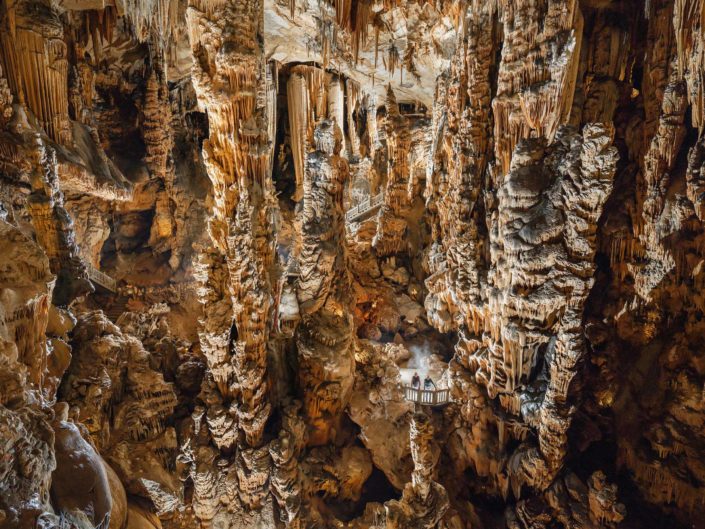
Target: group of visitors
427, 382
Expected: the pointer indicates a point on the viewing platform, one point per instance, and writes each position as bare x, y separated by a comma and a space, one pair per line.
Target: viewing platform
427, 397
364, 209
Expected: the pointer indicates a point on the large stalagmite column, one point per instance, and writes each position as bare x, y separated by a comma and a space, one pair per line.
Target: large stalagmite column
229, 78
323, 339
391, 227
424, 501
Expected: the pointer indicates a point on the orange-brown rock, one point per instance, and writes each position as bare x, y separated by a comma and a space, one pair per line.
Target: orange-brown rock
268, 263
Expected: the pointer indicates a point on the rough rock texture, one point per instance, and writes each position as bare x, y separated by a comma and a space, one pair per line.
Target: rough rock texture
125, 405
232, 231
323, 337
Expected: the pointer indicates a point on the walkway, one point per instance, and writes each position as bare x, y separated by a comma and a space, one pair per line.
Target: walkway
427, 397
438, 273
100, 278
364, 208
293, 270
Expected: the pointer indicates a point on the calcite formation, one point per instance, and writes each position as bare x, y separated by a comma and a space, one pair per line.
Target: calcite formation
324, 295
352, 265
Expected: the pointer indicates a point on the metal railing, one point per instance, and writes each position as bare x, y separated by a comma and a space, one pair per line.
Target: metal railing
293, 269
101, 278
364, 207
442, 270
427, 397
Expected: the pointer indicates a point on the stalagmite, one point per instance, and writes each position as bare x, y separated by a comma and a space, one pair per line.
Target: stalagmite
324, 291
391, 227
423, 502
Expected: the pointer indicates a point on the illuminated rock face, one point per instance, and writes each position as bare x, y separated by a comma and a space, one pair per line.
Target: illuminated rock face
231, 231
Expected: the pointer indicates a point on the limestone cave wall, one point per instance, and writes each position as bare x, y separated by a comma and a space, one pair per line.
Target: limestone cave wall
231, 231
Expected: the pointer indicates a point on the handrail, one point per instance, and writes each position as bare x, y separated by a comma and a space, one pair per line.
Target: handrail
293, 269
442, 270
101, 278
364, 207
427, 397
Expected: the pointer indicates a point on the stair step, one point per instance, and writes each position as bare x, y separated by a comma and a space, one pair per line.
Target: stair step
116, 309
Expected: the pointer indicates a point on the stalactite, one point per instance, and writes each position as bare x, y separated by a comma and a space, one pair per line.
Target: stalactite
336, 105
352, 101
149, 17
391, 226
371, 107
35, 60
308, 101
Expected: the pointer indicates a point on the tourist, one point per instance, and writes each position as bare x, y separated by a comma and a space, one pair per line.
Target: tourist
428, 382
415, 381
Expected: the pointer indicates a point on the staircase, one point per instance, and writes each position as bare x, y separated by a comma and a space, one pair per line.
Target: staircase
118, 306
364, 209
102, 279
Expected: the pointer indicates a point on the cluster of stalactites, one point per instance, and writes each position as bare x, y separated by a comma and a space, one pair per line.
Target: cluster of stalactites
314, 94
34, 59
535, 97
307, 98
353, 18
153, 17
